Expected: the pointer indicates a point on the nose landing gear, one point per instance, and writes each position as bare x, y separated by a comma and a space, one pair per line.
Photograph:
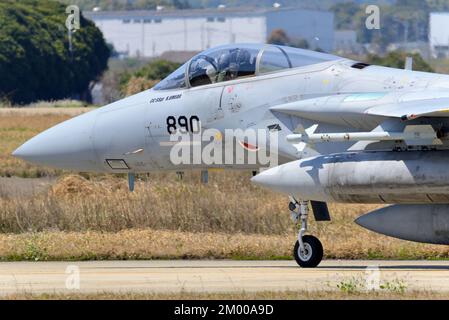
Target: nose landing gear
308, 250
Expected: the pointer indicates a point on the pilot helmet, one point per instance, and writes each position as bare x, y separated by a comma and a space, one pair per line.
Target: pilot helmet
242, 57
224, 60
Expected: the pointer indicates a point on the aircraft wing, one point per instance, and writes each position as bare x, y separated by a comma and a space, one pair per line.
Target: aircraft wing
412, 109
334, 109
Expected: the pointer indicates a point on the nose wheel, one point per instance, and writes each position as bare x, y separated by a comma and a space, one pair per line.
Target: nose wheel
312, 254
308, 250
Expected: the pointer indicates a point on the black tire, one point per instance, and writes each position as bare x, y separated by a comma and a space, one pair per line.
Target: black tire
314, 252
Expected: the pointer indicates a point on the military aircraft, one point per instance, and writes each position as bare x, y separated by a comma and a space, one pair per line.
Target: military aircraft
345, 132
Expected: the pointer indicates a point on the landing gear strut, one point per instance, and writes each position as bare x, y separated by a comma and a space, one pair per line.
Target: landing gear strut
308, 251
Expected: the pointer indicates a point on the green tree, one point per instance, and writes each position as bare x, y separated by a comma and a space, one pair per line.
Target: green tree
301, 43
406, 21
35, 60
146, 77
157, 69
438, 5
125, 4
396, 59
345, 14
181, 4
278, 37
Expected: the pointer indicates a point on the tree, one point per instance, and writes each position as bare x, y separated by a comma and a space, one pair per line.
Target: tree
157, 69
146, 77
181, 4
124, 4
35, 60
345, 14
406, 21
301, 43
279, 37
396, 59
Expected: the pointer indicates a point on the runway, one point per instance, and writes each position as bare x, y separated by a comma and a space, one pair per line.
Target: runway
213, 276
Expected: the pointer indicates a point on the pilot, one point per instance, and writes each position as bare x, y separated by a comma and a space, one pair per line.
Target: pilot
224, 62
243, 59
199, 75
234, 64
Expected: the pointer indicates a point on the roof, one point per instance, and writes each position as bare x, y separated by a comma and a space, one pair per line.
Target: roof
444, 13
178, 56
192, 13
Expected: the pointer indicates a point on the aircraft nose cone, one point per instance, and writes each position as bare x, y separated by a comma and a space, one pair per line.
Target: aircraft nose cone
377, 220
68, 145
268, 178
364, 221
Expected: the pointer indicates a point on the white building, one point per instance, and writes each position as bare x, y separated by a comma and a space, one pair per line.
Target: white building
151, 33
439, 34
345, 41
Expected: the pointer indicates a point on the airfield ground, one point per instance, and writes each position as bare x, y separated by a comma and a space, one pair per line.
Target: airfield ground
220, 278
264, 295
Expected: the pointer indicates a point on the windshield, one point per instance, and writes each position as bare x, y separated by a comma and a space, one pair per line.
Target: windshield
222, 64
230, 62
302, 58
176, 80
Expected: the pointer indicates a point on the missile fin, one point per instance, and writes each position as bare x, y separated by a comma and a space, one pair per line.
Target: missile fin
420, 131
301, 146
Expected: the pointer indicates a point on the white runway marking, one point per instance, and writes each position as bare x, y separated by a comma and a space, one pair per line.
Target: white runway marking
212, 276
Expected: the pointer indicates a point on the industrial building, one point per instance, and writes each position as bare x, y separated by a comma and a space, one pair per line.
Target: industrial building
439, 34
151, 33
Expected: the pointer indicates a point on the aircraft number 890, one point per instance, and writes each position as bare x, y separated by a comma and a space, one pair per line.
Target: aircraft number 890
191, 124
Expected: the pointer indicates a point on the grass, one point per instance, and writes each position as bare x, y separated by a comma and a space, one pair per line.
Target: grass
140, 244
168, 244
264, 295
17, 125
67, 103
358, 285
440, 65
98, 218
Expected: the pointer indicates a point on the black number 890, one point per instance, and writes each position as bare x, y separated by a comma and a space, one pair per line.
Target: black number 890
185, 124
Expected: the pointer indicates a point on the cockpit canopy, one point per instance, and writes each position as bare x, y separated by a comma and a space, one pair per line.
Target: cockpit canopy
232, 62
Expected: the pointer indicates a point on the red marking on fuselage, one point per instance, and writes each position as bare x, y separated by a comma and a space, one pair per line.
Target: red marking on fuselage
248, 146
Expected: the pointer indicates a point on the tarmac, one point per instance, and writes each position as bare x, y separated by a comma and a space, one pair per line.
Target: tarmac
216, 276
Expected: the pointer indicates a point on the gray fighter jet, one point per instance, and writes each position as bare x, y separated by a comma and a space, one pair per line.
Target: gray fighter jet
339, 131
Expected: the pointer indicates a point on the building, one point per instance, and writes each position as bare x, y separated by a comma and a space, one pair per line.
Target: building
151, 33
439, 34
345, 41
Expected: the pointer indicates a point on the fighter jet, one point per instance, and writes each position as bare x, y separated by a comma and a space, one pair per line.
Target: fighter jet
339, 130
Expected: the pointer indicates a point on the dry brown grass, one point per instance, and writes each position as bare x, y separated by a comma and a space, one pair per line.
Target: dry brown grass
138, 84
141, 244
98, 218
17, 125
160, 244
228, 204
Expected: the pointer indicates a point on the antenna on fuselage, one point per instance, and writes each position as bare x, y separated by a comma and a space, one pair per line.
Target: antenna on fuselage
408, 63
